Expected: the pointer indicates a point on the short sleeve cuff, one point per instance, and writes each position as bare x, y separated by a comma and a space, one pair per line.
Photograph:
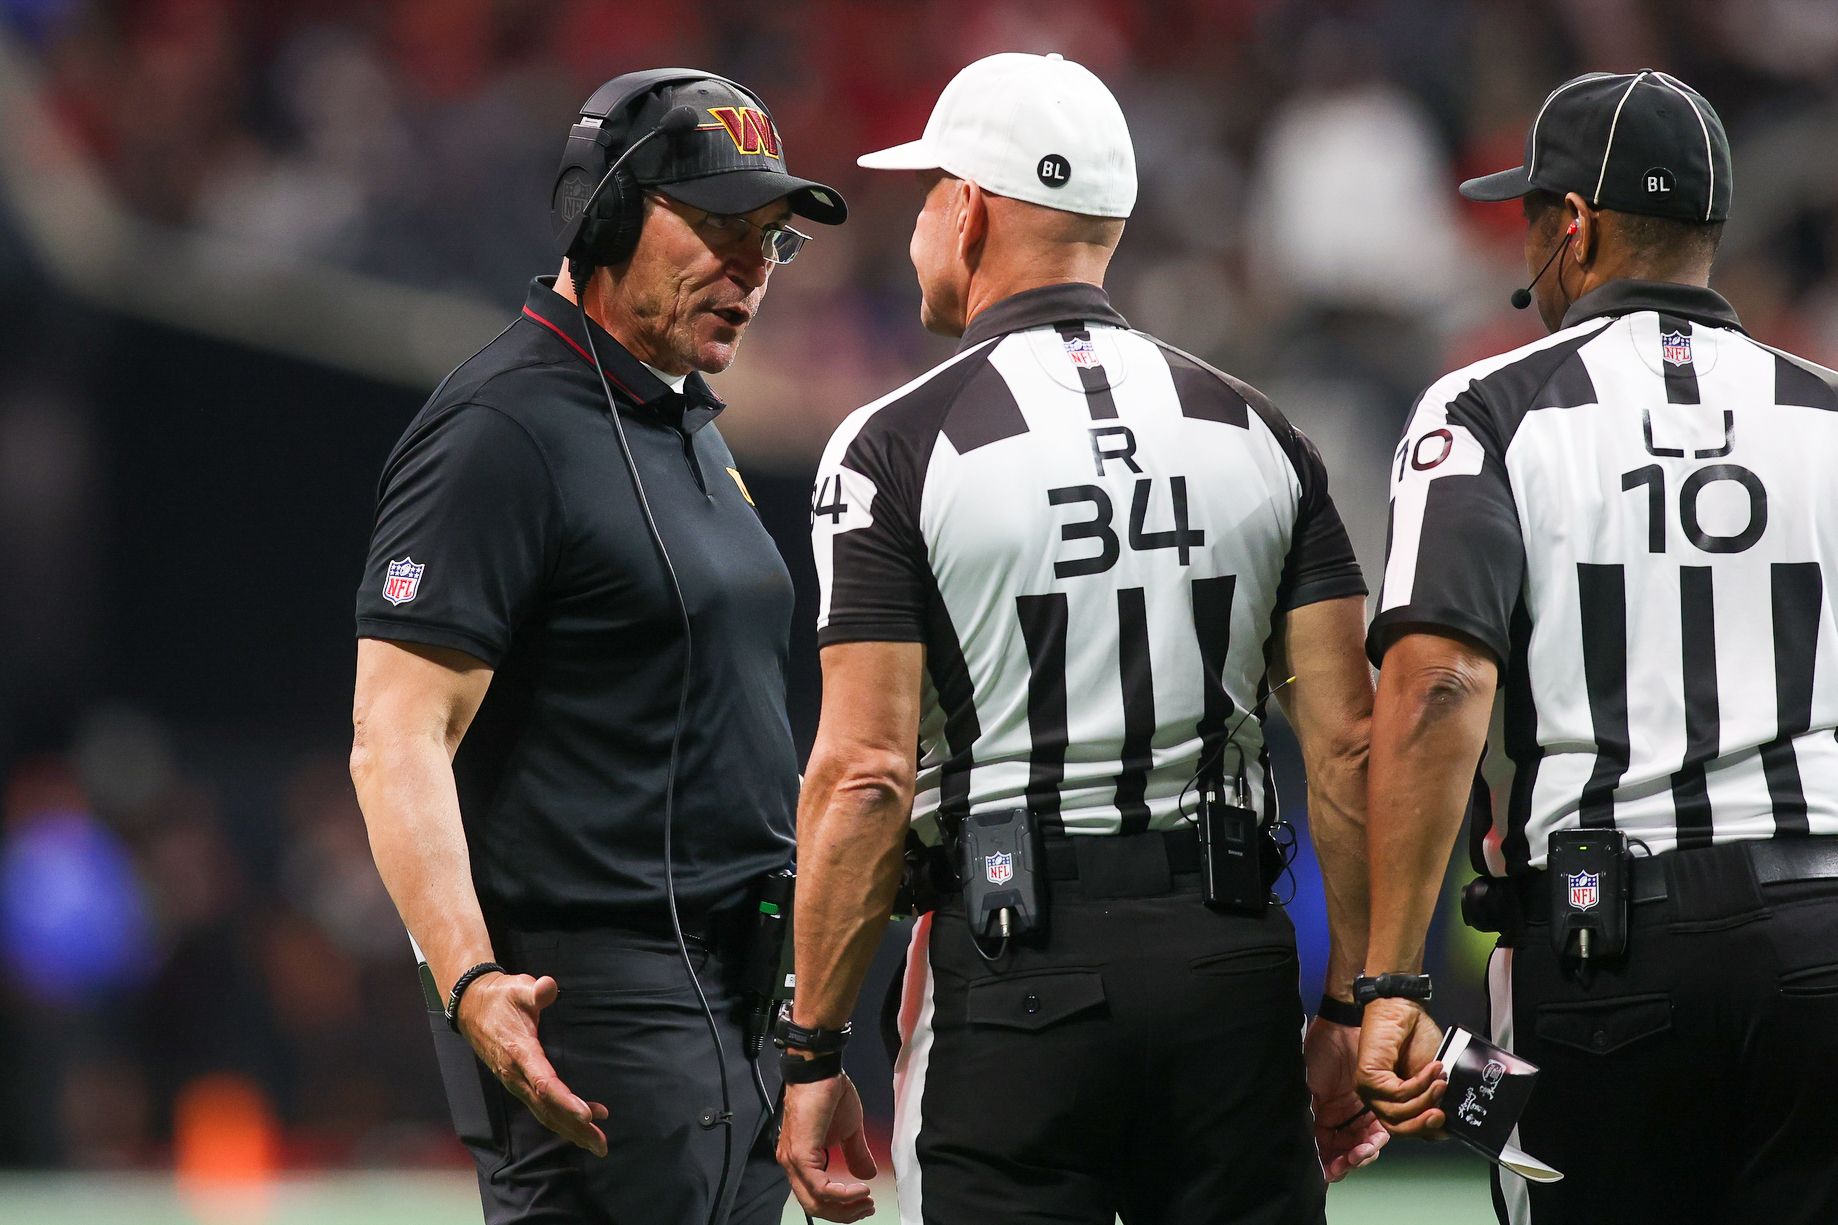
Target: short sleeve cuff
475, 645
1332, 586
1385, 625
857, 630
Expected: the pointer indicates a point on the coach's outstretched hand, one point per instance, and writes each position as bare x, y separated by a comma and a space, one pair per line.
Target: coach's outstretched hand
818, 1115
1347, 1134
498, 1016
1398, 1073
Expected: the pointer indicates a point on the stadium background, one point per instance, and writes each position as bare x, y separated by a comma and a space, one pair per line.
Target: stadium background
239, 242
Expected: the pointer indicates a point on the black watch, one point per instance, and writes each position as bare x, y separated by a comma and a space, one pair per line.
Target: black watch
788, 1033
1391, 987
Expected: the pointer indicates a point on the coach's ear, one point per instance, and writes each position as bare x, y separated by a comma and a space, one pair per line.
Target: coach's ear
1582, 251
972, 224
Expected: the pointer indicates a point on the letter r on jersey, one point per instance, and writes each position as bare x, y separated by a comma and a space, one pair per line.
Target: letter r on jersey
1125, 452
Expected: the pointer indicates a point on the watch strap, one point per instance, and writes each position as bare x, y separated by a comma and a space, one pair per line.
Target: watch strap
816, 1040
1340, 1012
1391, 986
797, 1070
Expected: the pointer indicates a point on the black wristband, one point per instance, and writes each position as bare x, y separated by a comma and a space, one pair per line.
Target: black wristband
1340, 1012
459, 988
797, 1070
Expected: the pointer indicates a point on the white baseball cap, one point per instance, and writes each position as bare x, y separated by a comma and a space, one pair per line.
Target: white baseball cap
1037, 128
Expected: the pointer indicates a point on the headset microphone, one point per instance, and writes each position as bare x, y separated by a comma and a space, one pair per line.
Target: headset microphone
1522, 297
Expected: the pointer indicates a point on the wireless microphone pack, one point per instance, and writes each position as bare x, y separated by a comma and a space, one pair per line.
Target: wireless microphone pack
999, 861
1231, 855
1588, 871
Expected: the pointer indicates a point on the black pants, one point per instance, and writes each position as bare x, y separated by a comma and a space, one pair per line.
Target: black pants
626, 1030
1143, 1059
1695, 1080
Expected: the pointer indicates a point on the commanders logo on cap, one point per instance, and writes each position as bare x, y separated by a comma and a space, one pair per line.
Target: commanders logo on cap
751, 130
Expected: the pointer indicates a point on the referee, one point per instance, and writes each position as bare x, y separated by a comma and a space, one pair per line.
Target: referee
1628, 533
569, 797
1064, 564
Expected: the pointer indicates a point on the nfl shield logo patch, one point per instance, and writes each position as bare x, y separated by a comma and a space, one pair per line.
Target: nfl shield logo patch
1584, 890
403, 581
999, 867
1677, 348
1082, 352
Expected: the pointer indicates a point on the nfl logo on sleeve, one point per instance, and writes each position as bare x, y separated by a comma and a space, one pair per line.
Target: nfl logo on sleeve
1585, 890
999, 867
403, 581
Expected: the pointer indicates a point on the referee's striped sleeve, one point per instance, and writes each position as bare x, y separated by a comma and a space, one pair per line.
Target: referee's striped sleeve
872, 575
1454, 555
1320, 564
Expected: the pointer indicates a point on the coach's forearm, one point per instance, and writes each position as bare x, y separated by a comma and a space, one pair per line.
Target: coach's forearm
1435, 699
852, 821
405, 787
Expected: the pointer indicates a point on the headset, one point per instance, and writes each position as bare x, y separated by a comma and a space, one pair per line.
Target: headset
597, 210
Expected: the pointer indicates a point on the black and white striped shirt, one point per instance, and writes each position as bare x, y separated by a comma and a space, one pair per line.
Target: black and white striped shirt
1637, 515
1091, 533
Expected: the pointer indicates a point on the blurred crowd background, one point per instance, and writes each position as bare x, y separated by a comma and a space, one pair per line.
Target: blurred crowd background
240, 240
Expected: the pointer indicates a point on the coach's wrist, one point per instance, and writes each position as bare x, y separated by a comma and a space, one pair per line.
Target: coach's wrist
465, 988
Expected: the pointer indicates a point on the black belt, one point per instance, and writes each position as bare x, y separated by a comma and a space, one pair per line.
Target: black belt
936, 866
1775, 861
1181, 845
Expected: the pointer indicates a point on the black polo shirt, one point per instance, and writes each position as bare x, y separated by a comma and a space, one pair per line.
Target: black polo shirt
507, 527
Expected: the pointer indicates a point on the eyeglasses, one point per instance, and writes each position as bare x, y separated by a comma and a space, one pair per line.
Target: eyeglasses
778, 242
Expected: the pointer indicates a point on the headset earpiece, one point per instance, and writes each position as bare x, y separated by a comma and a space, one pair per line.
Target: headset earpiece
613, 221
596, 228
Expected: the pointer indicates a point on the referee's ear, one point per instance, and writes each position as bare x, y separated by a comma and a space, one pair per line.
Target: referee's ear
972, 224
1583, 250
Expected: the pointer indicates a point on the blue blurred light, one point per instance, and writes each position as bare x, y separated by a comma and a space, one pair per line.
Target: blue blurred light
73, 915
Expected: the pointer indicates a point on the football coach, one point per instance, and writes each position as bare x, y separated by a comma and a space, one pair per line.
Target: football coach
569, 796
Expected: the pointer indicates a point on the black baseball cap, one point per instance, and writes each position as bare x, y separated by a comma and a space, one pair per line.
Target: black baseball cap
1635, 142
732, 161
